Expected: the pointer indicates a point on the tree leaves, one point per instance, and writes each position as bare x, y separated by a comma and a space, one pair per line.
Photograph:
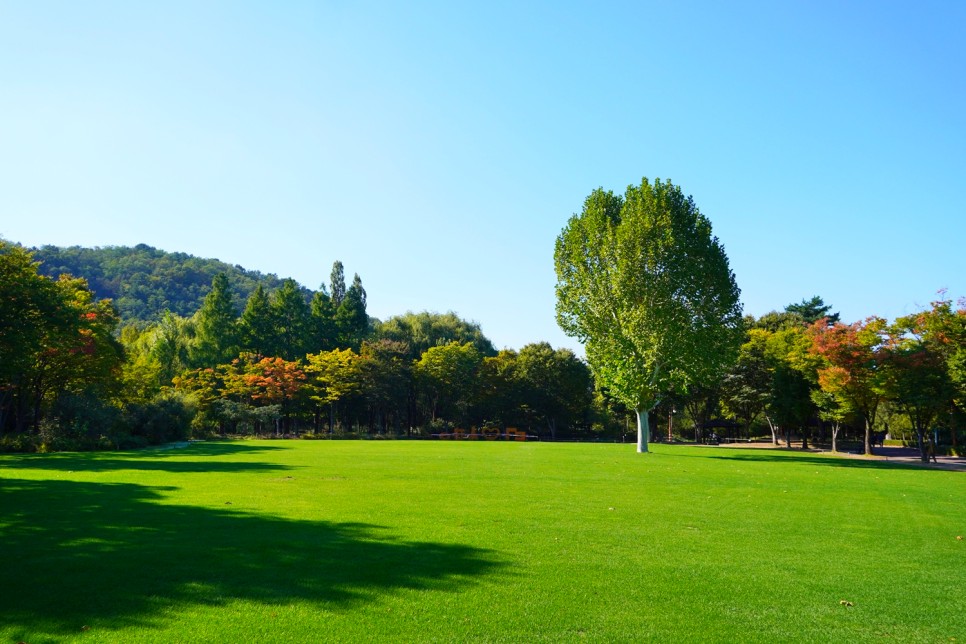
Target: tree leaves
644, 284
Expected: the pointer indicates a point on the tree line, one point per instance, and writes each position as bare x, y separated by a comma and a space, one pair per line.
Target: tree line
288, 362
295, 362
805, 373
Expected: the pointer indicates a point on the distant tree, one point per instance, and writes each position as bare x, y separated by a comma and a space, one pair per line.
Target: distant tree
645, 285
775, 321
813, 310
702, 404
333, 376
274, 381
424, 330
789, 404
91, 357
446, 378
205, 387
386, 373
917, 376
337, 283
851, 366
351, 319
141, 370
942, 329
556, 386
291, 319
746, 387
325, 333
500, 391
833, 406
257, 326
216, 326
170, 344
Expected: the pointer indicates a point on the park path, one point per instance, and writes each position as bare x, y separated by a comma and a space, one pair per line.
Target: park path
911, 456
905, 455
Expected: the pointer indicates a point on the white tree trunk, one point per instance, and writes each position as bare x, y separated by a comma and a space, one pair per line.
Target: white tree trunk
774, 431
643, 431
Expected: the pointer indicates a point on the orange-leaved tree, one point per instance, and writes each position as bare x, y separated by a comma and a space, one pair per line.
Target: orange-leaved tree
852, 367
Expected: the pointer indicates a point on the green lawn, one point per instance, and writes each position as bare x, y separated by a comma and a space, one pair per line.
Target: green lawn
299, 541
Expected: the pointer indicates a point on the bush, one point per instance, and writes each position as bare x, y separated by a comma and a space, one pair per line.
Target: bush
164, 419
438, 426
19, 443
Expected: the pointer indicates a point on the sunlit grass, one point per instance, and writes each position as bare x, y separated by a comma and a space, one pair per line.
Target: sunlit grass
439, 541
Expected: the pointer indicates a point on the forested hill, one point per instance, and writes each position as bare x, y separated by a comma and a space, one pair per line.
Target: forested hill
144, 281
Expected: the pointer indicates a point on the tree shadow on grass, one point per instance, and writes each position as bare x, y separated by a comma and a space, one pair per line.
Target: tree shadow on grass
108, 556
199, 457
804, 458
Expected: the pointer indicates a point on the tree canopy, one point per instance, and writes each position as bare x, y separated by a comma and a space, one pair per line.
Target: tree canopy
645, 285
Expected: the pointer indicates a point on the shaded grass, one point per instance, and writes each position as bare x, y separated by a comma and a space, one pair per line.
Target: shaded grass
398, 541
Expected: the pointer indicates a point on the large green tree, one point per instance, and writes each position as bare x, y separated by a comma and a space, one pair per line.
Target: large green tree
30, 312
56, 342
645, 285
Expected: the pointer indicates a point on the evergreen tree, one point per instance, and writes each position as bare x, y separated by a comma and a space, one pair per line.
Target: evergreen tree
350, 317
337, 282
813, 310
292, 321
324, 334
257, 328
216, 326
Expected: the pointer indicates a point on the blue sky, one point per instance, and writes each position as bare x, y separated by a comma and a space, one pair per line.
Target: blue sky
438, 149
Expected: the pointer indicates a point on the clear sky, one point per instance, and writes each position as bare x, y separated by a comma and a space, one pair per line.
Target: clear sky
438, 148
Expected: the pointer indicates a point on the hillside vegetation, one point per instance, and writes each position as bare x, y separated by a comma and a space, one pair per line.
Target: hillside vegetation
144, 282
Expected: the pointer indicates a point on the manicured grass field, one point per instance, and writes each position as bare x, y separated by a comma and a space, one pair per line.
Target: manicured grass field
373, 541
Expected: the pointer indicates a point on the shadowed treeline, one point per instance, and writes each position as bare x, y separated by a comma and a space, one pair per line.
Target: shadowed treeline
157, 459
109, 556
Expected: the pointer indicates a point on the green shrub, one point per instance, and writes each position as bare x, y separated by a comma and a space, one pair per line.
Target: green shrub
23, 443
164, 419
